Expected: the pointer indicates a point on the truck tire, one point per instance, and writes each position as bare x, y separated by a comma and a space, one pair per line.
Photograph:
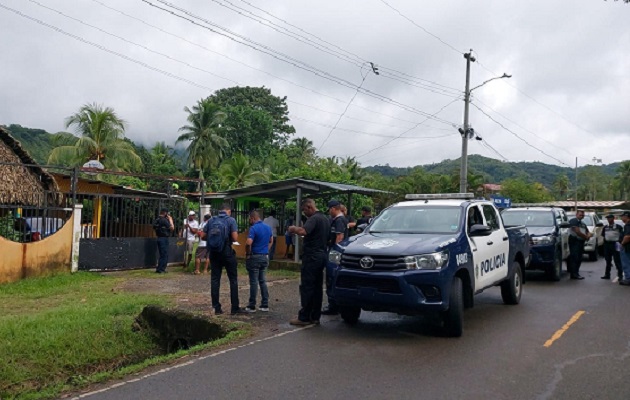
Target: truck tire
453, 318
512, 288
555, 270
350, 315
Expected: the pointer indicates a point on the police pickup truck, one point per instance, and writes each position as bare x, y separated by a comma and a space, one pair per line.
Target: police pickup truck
430, 256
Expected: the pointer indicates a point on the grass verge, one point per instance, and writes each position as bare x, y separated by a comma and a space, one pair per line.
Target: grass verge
64, 332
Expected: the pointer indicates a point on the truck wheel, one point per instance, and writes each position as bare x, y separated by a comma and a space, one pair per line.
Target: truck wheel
350, 314
555, 270
511, 289
593, 256
454, 317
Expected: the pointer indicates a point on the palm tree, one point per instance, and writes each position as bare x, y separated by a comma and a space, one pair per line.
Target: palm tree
623, 177
239, 172
100, 137
304, 147
562, 184
207, 147
353, 168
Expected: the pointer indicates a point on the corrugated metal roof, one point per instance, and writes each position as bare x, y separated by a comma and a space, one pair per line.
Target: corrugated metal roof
580, 204
287, 189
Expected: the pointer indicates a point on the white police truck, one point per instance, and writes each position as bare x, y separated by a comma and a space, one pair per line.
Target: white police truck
430, 255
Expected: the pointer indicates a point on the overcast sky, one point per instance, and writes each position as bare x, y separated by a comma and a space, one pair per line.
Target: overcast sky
569, 95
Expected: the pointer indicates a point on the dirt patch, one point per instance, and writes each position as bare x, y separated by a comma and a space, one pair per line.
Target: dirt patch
192, 293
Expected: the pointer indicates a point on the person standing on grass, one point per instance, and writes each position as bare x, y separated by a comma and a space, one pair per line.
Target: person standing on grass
274, 224
164, 228
201, 255
625, 249
314, 259
191, 227
220, 232
257, 245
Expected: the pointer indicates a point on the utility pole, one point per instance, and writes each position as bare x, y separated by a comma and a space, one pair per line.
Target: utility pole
576, 185
463, 171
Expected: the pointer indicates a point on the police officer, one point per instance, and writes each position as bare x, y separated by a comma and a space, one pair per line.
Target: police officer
612, 236
338, 232
578, 235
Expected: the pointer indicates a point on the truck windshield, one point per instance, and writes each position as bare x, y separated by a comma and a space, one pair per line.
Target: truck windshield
527, 218
418, 219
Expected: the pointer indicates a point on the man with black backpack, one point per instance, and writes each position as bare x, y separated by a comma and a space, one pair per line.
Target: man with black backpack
219, 233
163, 227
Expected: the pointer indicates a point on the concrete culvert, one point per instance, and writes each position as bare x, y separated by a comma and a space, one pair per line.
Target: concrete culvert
176, 330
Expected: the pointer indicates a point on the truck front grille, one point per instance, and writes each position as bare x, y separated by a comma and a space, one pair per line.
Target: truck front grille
381, 263
383, 285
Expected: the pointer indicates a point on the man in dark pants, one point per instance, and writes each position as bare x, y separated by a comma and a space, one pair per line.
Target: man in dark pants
163, 227
338, 232
224, 258
315, 231
625, 249
578, 235
612, 236
259, 239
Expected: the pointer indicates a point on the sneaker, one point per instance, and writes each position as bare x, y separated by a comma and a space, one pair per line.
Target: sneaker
299, 322
625, 282
264, 309
218, 311
605, 277
237, 311
616, 279
249, 309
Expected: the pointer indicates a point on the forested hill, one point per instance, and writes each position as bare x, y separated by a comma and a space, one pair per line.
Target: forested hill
39, 144
494, 171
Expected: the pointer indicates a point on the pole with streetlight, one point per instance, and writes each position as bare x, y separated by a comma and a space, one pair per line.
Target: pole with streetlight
466, 132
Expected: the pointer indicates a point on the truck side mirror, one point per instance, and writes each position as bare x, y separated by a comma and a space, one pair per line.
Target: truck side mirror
600, 225
361, 228
480, 230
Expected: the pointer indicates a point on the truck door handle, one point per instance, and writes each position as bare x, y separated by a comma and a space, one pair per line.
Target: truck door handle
489, 243
505, 238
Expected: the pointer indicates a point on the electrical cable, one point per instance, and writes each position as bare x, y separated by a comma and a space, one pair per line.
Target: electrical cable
411, 148
279, 56
517, 136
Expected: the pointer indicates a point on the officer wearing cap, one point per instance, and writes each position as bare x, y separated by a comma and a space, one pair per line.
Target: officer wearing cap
612, 236
625, 249
338, 232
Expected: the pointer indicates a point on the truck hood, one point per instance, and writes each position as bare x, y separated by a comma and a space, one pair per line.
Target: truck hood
396, 243
540, 230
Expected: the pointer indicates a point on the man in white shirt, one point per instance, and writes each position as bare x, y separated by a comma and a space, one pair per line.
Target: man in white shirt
274, 224
202, 253
191, 227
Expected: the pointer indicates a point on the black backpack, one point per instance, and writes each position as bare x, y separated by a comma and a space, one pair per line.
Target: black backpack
217, 234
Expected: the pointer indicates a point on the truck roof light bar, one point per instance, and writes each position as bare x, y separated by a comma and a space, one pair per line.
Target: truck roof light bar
442, 196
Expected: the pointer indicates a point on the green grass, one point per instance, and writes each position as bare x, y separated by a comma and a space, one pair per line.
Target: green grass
65, 331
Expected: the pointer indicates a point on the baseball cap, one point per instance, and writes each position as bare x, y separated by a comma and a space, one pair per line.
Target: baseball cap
625, 214
164, 210
207, 216
191, 213
333, 203
610, 216
366, 209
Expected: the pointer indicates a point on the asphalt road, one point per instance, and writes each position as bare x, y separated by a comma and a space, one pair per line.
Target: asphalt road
502, 354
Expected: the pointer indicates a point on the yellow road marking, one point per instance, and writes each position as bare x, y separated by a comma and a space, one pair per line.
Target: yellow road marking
566, 326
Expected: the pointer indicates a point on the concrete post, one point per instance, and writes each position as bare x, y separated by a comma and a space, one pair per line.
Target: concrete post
76, 237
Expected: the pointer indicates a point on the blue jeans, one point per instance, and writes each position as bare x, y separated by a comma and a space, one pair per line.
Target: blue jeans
625, 263
162, 243
257, 267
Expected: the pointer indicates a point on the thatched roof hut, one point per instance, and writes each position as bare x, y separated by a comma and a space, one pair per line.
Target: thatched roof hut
23, 185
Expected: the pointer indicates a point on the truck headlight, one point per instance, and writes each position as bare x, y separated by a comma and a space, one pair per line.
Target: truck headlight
432, 261
334, 257
542, 239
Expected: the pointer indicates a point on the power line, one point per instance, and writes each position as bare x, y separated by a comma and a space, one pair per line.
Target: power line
411, 148
408, 130
517, 136
421, 27
105, 49
348, 53
537, 102
344, 111
284, 58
